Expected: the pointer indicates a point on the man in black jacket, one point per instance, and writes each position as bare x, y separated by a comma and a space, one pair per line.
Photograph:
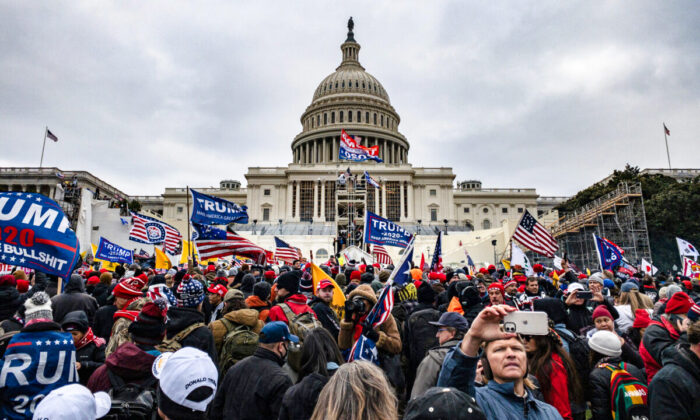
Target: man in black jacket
674, 393
72, 299
253, 388
321, 306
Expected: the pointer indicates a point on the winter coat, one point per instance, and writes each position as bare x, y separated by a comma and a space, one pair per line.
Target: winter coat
599, 382
201, 338
247, 317
10, 301
72, 299
497, 401
252, 389
429, 368
300, 400
658, 337
674, 394
129, 362
558, 395
389, 338
12, 324
101, 292
104, 319
263, 307
296, 302
90, 358
327, 316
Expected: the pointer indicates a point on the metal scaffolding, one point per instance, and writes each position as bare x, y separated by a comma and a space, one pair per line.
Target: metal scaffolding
351, 199
618, 216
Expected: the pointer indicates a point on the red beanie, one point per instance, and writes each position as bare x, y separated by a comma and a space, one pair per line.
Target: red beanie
510, 282
538, 268
93, 281
355, 275
483, 271
22, 285
442, 277
128, 288
499, 286
433, 276
687, 284
582, 276
641, 319
270, 275
679, 303
599, 311
8, 280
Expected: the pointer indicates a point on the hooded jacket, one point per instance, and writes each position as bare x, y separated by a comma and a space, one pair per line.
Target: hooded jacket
201, 338
128, 362
389, 338
658, 336
10, 301
90, 356
72, 299
599, 389
248, 317
429, 368
326, 315
674, 393
252, 389
263, 307
296, 302
300, 400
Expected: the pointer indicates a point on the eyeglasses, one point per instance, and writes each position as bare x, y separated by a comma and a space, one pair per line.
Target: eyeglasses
526, 337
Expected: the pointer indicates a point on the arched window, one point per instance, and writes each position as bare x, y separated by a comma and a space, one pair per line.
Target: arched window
349, 116
486, 224
375, 119
312, 122
343, 84
359, 114
341, 116
363, 85
318, 120
382, 119
367, 117
357, 84
336, 85
333, 117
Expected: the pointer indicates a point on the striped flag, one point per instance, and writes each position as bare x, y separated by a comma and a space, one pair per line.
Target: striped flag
285, 252
380, 255
381, 311
148, 230
53, 137
534, 236
213, 242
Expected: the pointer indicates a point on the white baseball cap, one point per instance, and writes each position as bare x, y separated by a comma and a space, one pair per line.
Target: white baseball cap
73, 402
184, 371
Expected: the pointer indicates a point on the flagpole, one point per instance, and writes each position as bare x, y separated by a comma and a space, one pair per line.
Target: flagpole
668, 155
46, 129
189, 236
597, 251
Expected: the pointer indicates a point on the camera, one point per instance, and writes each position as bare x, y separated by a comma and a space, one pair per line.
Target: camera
354, 305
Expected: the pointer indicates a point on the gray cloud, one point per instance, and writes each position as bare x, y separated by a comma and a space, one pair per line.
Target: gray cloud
518, 94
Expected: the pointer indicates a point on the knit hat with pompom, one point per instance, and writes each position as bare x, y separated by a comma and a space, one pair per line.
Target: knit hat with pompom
190, 293
38, 307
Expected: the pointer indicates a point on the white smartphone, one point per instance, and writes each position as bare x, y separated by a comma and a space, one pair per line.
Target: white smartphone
526, 323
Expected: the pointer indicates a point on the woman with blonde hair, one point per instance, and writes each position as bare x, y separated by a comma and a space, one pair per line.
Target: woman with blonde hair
630, 300
358, 391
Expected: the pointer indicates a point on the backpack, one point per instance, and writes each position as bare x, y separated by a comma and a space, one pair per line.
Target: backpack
174, 344
239, 342
299, 325
131, 401
628, 395
578, 350
419, 338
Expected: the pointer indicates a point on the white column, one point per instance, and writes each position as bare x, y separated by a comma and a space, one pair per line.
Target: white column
377, 209
298, 207
411, 203
314, 217
384, 200
287, 212
325, 151
322, 217
401, 207
335, 149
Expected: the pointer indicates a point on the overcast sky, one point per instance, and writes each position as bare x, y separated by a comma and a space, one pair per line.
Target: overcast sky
550, 95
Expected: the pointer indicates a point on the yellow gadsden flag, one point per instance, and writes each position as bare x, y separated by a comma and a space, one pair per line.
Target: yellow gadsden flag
187, 252
506, 264
162, 260
338, 302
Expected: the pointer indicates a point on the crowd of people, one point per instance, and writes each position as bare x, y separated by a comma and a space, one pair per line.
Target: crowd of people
240, 341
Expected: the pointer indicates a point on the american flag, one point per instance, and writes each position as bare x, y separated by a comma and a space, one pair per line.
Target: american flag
382, 309
436, 265
213, 242
148, 230
380, 255
534, 236
285, 252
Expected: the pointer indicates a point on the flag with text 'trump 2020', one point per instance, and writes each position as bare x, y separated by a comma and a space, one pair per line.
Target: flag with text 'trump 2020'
35, 233
210, 210
351, 150
381, 231
109, 251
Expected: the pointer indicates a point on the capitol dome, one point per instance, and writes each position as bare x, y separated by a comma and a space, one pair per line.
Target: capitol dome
354, 100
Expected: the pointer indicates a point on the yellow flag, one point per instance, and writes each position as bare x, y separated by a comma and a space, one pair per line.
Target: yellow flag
588, 272
187, 252
108, 265
506, 264
162, 260
555, 278
338, 302
341, 260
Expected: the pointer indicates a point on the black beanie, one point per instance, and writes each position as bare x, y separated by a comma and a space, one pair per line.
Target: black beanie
149, 326
426, 294
555, 309
366, 278
262, 290
289, 281
75, 320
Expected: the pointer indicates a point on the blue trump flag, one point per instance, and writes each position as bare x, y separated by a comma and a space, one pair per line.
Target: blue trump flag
364, 349
35, 363
35, 233
381, 231
210, 210
108, 251
401, 274
608, 255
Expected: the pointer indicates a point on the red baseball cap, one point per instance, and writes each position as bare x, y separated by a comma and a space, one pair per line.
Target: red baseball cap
218, 289
325, 283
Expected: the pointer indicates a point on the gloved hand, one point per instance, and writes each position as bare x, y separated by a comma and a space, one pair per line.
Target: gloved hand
370, 332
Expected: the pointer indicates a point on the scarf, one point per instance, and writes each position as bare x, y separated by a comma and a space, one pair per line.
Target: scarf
88, 338
358, 328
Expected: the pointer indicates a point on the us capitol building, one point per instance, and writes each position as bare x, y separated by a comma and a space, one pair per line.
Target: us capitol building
304, 197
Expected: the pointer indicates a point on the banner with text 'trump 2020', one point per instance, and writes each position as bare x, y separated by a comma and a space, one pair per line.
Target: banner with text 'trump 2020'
381, 231
108, 251
35, 233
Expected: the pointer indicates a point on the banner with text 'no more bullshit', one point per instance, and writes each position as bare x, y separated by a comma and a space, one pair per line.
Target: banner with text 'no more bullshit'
35, 233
